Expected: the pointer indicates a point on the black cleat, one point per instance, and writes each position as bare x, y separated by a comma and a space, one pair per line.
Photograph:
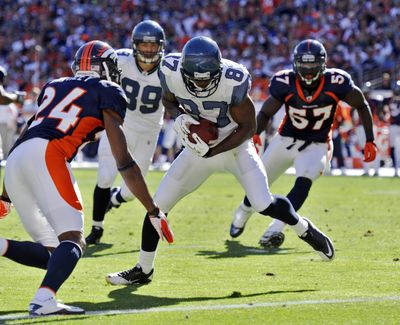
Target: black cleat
131, 276
319, 241
111, 205
272, 239
94, 237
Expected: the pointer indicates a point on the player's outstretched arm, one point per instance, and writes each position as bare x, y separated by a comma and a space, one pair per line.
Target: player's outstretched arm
132, 175
356, 99
129, 170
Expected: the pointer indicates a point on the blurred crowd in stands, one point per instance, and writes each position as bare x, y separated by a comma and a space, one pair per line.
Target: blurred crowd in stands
38, 39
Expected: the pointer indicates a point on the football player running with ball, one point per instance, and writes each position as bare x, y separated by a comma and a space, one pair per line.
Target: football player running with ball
310, 94
38, 177
198, 83
142, 123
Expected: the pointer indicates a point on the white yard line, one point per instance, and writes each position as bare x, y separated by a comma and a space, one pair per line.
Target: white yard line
219, 307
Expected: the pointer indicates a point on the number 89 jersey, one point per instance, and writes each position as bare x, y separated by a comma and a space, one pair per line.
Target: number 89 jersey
232, 89
144, 112
310, 117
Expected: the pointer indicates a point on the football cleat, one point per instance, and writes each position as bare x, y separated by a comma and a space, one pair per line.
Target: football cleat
272, 239
319, 241
94, 237
134, 275
112, 205
240, 217
52, 307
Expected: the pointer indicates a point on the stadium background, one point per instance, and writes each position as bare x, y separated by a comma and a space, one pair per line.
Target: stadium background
39, 38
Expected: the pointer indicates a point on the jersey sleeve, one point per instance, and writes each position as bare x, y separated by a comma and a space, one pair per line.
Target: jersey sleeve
279, 86
341, 82
112, 97
240, 92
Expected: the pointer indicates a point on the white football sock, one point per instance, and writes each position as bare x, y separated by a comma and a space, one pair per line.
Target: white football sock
3, 246
146, 260
276, 226
43, 294
301, 227
98, 224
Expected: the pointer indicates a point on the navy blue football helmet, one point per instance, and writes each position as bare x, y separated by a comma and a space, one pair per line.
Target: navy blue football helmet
148, 31
309, 61
201, 61
97, 59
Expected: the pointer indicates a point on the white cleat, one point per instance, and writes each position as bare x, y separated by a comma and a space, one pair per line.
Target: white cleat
240, 217
52, 307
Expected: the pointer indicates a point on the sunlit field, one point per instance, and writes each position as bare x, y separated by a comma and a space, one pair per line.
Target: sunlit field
205, 277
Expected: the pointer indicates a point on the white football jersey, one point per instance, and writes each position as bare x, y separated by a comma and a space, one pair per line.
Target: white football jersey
143, 90
233, 87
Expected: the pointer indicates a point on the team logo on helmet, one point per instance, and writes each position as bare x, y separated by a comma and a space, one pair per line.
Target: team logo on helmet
97, 59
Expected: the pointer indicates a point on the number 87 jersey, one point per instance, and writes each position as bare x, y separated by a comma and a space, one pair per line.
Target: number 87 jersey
310, 114
232, 89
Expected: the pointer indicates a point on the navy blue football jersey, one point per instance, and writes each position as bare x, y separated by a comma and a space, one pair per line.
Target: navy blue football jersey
70, 111
310, 117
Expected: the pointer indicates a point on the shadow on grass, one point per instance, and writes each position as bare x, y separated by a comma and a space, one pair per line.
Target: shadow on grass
125, 299
94, 251
236, 249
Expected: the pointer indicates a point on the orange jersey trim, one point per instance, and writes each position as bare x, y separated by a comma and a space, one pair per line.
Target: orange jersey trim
316, 94
70, 143
59, 173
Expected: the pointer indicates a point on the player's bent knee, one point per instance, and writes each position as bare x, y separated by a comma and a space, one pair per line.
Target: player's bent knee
74, 236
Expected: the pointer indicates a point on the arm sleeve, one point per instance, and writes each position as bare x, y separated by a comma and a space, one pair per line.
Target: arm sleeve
113, 97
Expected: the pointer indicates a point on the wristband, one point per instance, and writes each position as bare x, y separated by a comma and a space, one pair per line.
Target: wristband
127, 166
155, 212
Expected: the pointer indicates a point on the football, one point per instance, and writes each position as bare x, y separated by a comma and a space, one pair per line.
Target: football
206, 130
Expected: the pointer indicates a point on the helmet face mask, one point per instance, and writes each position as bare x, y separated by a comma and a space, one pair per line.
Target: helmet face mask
201, 66
148, 31
309, 61
97, 59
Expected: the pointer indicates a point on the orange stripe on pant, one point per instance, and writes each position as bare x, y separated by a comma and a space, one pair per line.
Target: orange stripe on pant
56, 165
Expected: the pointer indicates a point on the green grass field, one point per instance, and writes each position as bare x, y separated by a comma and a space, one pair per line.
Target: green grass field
205, 277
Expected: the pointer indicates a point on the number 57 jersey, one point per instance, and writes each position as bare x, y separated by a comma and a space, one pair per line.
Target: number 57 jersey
232, 89
309, 116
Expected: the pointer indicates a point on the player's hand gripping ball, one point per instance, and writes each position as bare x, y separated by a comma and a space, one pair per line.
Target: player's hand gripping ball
206, 130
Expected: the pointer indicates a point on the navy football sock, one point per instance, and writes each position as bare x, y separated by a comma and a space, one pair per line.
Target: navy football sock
101, 197
61, 264
281, 209
119, 197
299, 192
28, 253
246, 202
150, 236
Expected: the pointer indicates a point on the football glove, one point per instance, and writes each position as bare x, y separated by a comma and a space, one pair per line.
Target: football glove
5, 206
160, 224
199, 147
182, 124
370, 151
257, 142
